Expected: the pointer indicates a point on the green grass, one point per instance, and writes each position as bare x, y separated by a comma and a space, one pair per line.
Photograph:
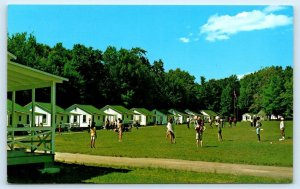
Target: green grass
163, 176
76, 174
239, 146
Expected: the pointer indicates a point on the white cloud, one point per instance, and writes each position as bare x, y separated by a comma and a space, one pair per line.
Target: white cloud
223, 27
184, 39
240, 76
274, 8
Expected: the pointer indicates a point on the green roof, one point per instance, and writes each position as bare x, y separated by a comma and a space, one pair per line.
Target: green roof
177, 112
187, 110
18, 108
210, 112
162, 111
262, 113
143, 111
118, 108
87, 108
47, 107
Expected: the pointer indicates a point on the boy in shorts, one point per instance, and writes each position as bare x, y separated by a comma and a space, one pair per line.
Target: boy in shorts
93, 135
281, 126
199, 131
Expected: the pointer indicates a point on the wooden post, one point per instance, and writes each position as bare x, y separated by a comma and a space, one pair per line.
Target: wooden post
13, 120
53, 126
32, 108
32, 116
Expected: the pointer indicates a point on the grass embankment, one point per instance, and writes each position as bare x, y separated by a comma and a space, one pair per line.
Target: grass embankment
239, 146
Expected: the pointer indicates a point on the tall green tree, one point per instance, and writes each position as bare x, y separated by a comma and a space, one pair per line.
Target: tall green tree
180, 89
126, 77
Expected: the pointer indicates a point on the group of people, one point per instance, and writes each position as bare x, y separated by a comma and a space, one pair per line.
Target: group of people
199, 128
198, 125
111, 124
257, 124
119, 129
222, 121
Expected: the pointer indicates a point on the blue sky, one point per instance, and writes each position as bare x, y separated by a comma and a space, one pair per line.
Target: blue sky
210, 41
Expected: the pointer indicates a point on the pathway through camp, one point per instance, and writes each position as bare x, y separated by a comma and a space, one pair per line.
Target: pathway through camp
197, 166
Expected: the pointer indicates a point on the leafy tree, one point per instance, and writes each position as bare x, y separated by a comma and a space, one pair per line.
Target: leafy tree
131, 80
180, 89
226, 101
126, 77
271, 100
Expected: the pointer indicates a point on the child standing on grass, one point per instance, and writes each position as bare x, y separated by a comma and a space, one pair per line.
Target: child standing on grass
219, 126
199, 132
170, 131
188, 122
93, 134
257, 126
120, 129
281, 126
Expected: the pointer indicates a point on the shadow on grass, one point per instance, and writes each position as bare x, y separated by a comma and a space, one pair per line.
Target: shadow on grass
69, 174
210, 146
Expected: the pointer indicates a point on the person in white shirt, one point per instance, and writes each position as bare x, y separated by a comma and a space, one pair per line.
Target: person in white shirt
281, 126
257, 126
170, 131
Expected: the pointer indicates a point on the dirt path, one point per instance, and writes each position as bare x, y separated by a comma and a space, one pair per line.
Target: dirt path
198, 166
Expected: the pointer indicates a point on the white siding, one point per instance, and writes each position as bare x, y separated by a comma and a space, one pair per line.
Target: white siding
39, 118
80, 115
112, 112
142, 119
247, 117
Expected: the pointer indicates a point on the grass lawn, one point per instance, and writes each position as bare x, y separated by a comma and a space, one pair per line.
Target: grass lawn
76, 174
239, 146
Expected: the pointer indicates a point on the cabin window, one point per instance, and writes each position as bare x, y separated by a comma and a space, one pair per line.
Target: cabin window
62, 118
98, 117
84, 119
20, 118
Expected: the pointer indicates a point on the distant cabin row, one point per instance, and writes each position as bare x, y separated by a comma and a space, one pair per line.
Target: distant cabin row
263, 116
79, 115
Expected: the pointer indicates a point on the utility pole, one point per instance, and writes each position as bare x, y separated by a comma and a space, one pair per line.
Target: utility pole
234, 105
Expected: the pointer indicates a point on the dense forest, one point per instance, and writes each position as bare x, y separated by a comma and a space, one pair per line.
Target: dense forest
126, 77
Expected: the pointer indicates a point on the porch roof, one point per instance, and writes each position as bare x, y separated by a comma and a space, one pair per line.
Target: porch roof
20, 77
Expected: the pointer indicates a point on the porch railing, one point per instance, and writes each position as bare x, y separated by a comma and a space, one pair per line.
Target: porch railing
30, 139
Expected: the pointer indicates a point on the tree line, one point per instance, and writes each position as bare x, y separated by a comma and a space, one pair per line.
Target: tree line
126, 77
